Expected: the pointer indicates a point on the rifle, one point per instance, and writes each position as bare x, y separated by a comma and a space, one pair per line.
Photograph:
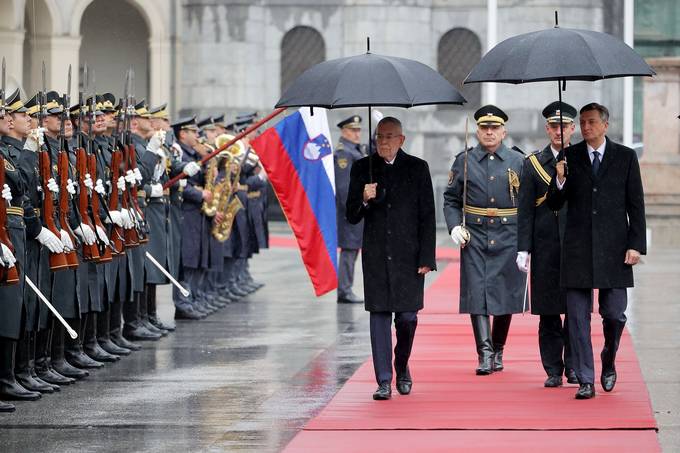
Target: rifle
57, 260
62, 171
8, 275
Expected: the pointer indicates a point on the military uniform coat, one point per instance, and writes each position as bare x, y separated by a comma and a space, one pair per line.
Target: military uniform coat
490, 283
605, 217
255, 210
195, 239
344, 156
399, 230
540, 231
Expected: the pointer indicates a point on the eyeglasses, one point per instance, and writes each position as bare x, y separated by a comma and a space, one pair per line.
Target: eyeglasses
387, 136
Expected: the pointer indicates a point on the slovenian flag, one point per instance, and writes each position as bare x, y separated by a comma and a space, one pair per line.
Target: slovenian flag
298, 158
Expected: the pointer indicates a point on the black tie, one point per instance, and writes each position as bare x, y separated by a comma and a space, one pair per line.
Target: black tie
596, 162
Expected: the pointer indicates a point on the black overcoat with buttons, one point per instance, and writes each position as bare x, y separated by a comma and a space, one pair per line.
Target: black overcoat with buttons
399, 230
540, 232
605, 217
490, 283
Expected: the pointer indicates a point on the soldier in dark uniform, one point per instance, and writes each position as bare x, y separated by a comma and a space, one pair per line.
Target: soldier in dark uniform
490, 284
539, 235
194, 232
350, 236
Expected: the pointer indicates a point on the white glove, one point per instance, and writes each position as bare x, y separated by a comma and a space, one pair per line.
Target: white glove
88, 181
126, 217
130, 177
177, 150
116, 217
66, 240
99, 187
523, 260
182, 183
458, 236
85, 234
35, 139
70, 187
191, 168
156, 190
102, 234
121, 183
155, 142
50, 240
53, 186
138, 175
7, 193
8, 258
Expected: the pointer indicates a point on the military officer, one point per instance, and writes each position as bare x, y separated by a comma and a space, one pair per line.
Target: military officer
539, 235
490, 283
350, 236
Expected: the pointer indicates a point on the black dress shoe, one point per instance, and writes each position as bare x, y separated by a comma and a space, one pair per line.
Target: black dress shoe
156, 322
553, 381
112, 348
66, 369
95, 352
51, 376
571, 376
187, 313
13, 391
404, 386
28, 382
81, 360
7, 407
384, 392
350, 299
140, 333
585, 392
119, 340
608, 380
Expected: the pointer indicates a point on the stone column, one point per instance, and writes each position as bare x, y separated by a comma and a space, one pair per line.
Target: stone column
57, 52
12, 48
660, 163
160, 71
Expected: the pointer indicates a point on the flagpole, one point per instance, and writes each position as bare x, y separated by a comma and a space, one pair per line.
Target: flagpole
238, 137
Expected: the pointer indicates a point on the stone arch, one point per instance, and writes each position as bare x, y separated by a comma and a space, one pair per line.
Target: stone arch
458, 51
301, 48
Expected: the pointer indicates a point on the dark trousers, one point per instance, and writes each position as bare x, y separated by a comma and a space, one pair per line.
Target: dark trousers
613, 302
553, 342
348, 258
191, 280
405, 324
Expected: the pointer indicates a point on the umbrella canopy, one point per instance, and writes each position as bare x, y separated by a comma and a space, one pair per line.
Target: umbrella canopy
559, 54
369, 80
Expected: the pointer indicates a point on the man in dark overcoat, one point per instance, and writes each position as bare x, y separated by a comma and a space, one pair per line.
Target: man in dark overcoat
345, 154
490, 284
396, 203
604, 238
539, 237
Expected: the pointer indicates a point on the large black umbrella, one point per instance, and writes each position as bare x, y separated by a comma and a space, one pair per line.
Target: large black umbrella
559, 54
369, 80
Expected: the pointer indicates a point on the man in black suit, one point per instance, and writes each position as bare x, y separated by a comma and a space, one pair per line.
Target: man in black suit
539, 237
396, 202
604, 238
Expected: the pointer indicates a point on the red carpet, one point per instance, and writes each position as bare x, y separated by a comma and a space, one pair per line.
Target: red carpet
451, 409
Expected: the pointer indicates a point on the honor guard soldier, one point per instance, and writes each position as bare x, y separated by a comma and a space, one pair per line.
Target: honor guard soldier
350, 236
490, 284
539, 235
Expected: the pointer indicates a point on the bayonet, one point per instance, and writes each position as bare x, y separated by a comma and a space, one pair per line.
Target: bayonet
2, 93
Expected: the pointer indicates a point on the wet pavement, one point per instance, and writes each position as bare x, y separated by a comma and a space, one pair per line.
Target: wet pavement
248, 377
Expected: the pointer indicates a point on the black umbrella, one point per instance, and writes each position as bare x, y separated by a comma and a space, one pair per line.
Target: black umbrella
559, 54
369, 80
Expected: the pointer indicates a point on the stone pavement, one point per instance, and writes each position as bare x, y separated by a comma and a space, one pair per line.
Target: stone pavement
249, 376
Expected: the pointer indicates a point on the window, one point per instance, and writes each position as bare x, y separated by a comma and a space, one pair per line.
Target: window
459, 50
301, 48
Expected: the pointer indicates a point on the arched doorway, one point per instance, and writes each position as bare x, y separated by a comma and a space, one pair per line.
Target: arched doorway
301, 48
111, 47
459, 50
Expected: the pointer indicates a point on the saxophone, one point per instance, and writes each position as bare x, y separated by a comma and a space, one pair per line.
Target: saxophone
227, 201
209, 208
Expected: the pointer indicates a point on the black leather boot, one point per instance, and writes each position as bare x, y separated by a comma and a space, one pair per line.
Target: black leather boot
38, 355
144, 315
7, 407
22, 370
612, 330
91, 345
104, 335
134, 329
43, 360
481, 327
10, 389
116, 328
73, 349
59, 363
499, 334
151, 310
